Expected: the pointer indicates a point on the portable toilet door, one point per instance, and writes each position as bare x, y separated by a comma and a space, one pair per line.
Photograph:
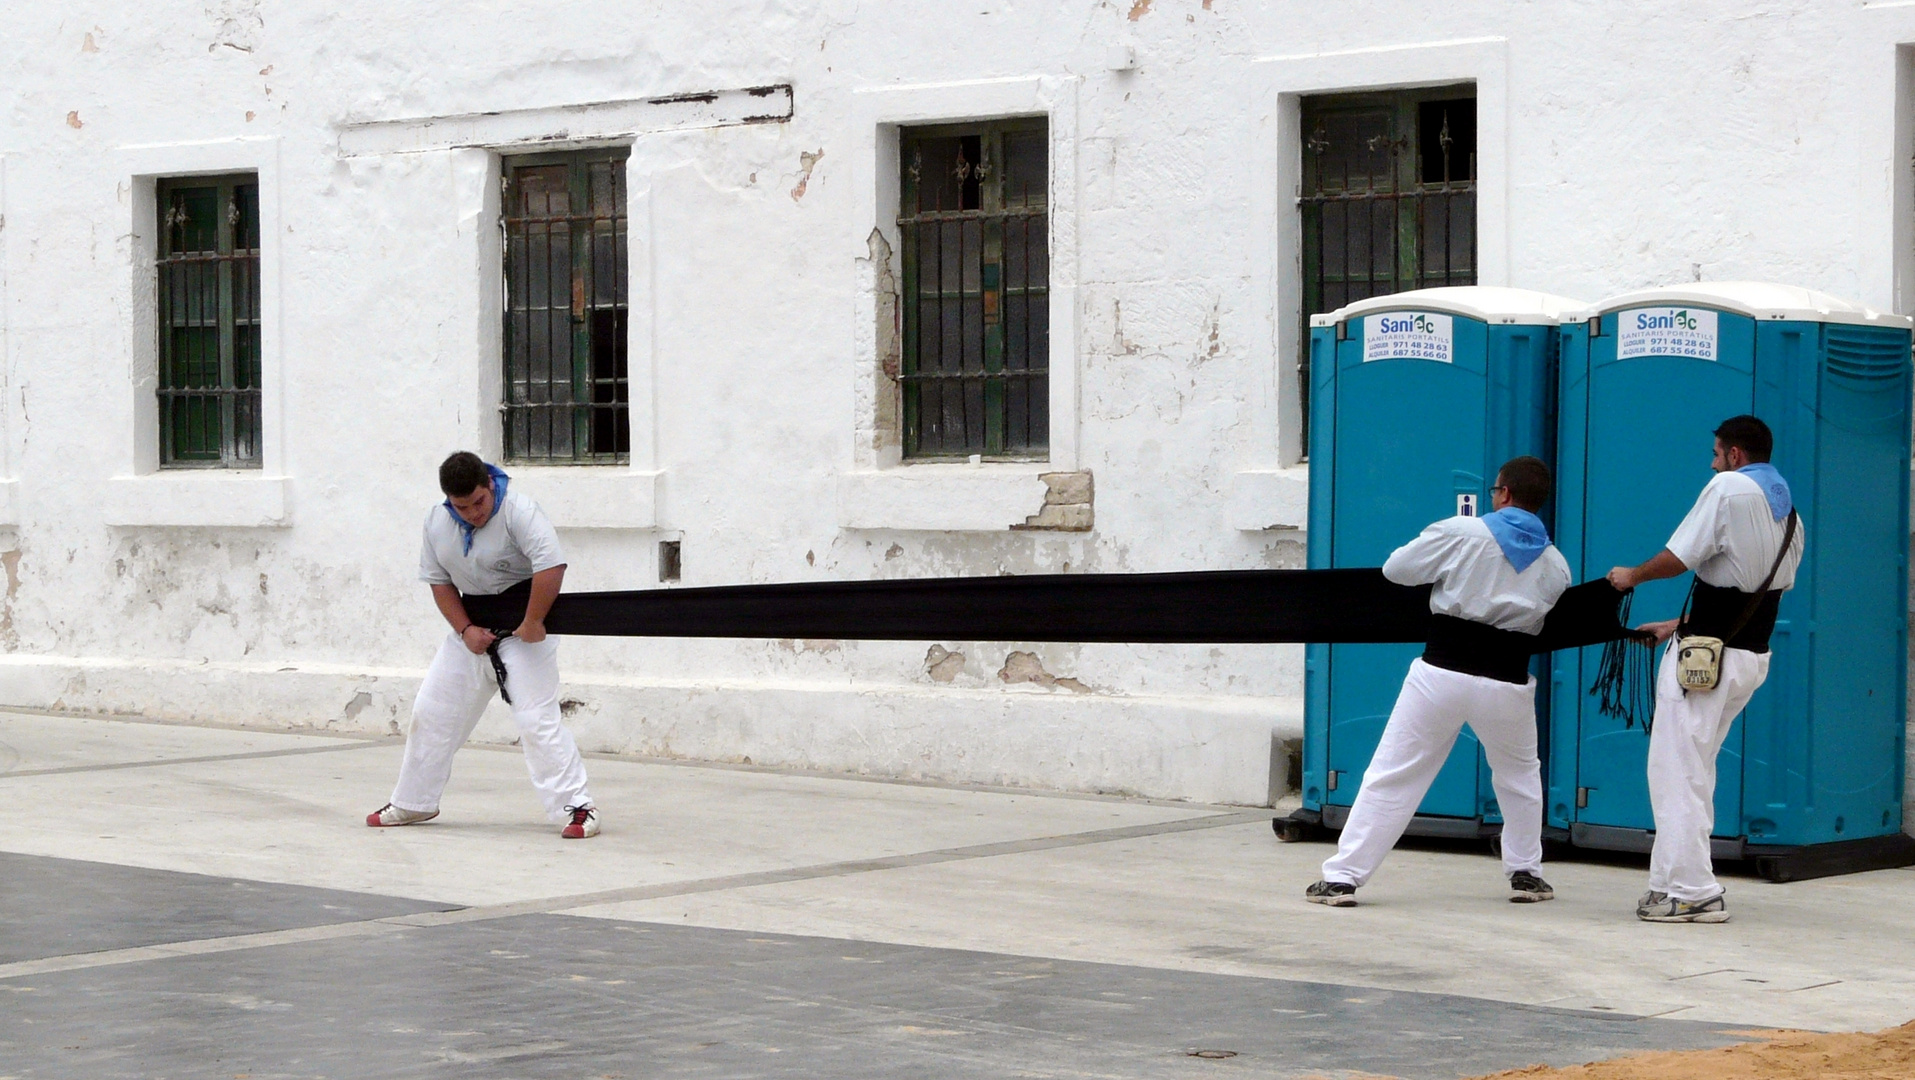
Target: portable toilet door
1644, 382
1416, 398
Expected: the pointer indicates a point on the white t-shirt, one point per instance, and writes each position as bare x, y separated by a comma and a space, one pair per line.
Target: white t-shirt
1730, 537
1473, 580
514, 543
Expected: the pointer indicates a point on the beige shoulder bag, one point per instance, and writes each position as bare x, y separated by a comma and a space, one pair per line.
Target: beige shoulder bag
1698, 656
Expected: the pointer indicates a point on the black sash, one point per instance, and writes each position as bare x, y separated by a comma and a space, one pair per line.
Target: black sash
1202, 607
1474, 648
494, 612
498, 612
1713, 611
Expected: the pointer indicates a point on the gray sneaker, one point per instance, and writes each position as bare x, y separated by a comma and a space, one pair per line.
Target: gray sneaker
1661, 907
1331, 893
1527, 888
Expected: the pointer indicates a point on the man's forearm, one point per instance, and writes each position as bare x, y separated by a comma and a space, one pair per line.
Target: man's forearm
453, 608
1662, 565
545, 589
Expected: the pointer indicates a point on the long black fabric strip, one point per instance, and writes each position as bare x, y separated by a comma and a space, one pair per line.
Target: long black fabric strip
1203, 607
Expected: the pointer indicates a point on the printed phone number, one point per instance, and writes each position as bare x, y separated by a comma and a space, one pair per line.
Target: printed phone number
1668, 345
1408, 350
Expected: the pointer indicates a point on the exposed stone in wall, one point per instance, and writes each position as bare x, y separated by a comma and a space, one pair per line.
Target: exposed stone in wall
942, 664
9, 637
807, 161
1023, 667
1067, 503
236, 24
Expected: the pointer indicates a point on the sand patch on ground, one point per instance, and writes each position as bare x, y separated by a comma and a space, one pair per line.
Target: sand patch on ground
1782, 1055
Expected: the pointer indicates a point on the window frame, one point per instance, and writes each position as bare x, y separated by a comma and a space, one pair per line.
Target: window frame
1406, 188
993, 293
229, 261
584, 407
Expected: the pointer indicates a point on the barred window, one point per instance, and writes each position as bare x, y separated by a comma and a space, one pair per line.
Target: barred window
208, 285
1388, 198
974, 228
566, 395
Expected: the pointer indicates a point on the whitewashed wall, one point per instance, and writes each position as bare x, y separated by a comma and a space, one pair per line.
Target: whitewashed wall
1622, 145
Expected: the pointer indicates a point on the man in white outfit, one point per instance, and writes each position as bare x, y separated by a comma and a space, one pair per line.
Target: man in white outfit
1495, 579
1733, 539
484, 540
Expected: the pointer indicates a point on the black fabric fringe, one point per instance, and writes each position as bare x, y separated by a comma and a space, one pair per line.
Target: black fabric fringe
498, 662
1202, 607
1625, 685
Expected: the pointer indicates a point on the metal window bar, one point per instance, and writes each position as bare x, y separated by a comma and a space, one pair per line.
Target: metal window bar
1374, 220
567, 389
207, 284
975, 373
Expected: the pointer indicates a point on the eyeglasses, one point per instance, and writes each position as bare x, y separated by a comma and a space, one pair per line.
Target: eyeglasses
1500, 487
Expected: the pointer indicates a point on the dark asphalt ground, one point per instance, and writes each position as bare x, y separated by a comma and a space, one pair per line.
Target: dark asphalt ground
552, 996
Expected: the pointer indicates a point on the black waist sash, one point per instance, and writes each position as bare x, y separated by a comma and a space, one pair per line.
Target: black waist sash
1714, 611
498, 612
1201, 607
1475, 648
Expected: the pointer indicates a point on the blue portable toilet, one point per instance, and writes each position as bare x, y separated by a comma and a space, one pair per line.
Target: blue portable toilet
1415, 399
1810, 779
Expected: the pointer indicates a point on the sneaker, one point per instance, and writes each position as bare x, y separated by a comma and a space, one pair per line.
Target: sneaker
584, 823
1661, 907
390, 815
1527, 888
1332, 893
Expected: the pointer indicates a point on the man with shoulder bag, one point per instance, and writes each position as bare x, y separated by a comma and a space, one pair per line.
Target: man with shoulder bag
1744, 541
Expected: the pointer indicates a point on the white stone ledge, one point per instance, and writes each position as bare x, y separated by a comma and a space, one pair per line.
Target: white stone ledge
568, 123
9, 507
590, 497
942, 498
189, 498
1205, 748
1271, 499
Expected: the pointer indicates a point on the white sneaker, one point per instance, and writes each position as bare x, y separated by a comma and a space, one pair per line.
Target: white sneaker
584, 823
390, 815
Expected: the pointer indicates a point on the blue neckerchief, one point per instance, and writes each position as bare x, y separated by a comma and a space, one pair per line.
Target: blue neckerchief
499, 480
1519, 533
1774, 488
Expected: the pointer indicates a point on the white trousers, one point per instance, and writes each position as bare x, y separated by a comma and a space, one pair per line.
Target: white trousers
1430, 711
1683, 744
456, 690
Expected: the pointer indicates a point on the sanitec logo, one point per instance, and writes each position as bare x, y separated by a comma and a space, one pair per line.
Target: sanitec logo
1674, 320
1421, 324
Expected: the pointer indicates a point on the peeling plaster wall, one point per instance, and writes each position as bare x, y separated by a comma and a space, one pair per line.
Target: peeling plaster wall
1646, 143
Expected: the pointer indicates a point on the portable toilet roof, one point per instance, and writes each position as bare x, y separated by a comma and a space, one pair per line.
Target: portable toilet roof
1760, 300
1491, 304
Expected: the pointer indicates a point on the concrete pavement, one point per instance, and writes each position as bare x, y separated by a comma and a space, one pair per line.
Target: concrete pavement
148, 858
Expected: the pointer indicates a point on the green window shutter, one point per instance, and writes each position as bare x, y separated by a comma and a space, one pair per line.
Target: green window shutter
208, 309
973, 224
566, 398
1388, 200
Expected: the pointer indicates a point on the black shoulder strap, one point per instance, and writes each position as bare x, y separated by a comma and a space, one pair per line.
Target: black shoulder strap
1788, 539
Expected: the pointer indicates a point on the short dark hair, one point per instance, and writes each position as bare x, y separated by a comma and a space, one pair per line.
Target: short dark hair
1527, 480
1749, 433
462, 474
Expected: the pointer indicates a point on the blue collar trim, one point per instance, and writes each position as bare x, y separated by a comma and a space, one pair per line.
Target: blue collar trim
1519, 533
1774, 488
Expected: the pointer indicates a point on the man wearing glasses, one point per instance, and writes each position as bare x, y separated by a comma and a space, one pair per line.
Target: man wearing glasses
1495, 579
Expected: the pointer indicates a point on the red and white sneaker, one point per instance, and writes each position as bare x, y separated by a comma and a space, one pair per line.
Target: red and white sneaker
584, 823
390, 815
